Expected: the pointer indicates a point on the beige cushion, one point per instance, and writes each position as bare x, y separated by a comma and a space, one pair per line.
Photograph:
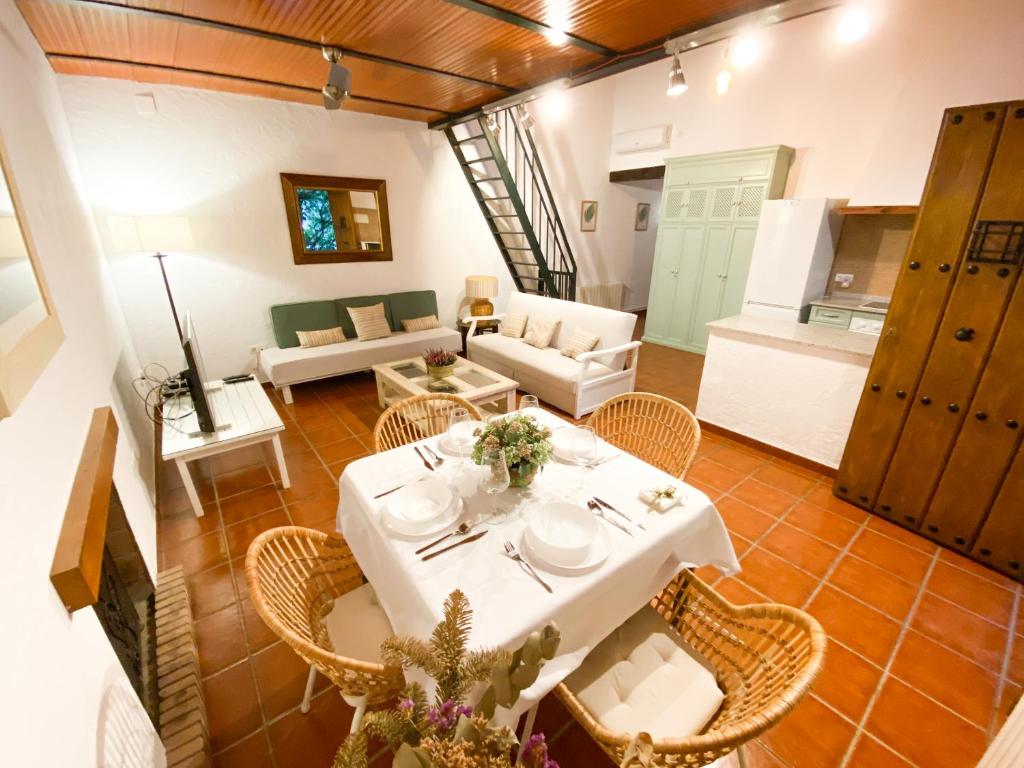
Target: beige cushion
421, 323
370, 322
581, 341
513, 326
540, 330
645, 677
357, 625
513, 358
320, 338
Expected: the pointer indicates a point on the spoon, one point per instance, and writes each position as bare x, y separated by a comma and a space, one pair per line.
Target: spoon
438, 461
462, 530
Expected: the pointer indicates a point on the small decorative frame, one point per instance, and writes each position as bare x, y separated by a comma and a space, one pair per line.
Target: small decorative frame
588, 216
643, 217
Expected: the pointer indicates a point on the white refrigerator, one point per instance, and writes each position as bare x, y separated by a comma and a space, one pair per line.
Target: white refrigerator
792, 258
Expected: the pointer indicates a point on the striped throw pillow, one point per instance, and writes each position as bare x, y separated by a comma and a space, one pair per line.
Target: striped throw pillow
513, 325
370, 322
420, 323
320, 338
581, 341
540, 330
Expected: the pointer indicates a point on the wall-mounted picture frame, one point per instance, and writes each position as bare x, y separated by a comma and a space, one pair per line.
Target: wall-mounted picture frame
643, 217
588, 216
30, 333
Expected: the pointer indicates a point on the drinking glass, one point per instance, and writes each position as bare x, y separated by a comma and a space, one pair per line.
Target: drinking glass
496, 480
529, 405
583, 450
456, 417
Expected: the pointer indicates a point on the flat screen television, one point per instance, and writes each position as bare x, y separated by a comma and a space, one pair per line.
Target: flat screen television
195, 375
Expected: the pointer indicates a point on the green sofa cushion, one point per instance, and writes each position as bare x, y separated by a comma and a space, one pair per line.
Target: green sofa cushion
360, 301
405, 306
302, 316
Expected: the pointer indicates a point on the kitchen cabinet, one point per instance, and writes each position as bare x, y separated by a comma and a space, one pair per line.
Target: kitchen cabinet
710, 209
936, 445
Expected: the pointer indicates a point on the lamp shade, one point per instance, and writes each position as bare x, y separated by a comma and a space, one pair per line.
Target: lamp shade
151, 233
481, 286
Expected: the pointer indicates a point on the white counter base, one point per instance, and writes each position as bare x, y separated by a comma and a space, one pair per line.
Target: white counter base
790, 385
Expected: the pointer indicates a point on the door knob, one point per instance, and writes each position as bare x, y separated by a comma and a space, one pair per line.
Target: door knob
963, 334
722, 275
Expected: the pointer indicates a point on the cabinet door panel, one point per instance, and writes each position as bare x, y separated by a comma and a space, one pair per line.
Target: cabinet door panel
965, 337
1000, 542
710, 284
748, 206
695, 240
662, 297
987, 441
959, 167
723, 203
737, 270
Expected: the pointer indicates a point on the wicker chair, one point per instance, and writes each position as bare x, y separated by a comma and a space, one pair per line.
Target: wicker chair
295, 575
415, 418
651, 427
765, 658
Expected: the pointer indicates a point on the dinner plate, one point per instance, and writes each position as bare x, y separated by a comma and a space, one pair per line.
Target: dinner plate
447, 520
561, 444
446, 445
418, 506
599, 551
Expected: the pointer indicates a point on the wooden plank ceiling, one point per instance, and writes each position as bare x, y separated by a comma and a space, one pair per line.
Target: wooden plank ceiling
414, 59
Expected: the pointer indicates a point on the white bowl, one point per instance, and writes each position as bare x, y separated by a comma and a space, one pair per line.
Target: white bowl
418, 506
562, 533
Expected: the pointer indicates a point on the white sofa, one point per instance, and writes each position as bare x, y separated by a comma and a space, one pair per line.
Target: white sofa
295, 365
574, 386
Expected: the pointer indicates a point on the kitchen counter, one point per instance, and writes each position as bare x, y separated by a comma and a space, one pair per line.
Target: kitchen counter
854, 303
790, 385
821, 336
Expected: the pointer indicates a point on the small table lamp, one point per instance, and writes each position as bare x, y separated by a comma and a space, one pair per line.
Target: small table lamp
480, 288
157, 234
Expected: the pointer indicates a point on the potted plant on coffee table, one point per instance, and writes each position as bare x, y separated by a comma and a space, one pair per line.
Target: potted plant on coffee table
440, 362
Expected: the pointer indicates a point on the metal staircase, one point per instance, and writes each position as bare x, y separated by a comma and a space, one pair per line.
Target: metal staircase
500, 162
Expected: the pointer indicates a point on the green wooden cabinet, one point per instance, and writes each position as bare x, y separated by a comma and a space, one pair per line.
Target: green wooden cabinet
709, 211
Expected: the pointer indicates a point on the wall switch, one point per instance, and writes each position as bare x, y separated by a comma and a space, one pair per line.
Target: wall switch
844, 280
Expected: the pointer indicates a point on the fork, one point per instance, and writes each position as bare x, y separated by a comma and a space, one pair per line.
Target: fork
438, 461
511, 552
423, 458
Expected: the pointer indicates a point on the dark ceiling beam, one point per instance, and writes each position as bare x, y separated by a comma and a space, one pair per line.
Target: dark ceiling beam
526, 23
182, 18
239, 78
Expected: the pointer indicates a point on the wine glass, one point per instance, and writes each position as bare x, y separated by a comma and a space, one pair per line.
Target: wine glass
583, 450
496, 479
529, 405
455, 442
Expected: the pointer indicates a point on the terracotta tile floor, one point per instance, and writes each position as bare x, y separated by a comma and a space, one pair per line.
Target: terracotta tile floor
927, 649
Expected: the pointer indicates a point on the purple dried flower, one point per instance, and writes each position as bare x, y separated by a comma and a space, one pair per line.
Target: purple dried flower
406, 705
447, 715
535, 754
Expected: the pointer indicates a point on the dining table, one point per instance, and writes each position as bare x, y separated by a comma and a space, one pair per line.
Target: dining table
508, 603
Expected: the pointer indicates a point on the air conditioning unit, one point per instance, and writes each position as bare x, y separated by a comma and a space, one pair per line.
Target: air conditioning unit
643, 140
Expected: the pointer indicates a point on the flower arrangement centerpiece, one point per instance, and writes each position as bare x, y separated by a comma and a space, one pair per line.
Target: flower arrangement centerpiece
440, 362
449, 733
526, 444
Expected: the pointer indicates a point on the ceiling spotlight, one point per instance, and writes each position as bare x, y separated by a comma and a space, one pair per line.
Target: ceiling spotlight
854, 25
745, 52
555, 36
676, 79
339, 80
525, 118
722, 82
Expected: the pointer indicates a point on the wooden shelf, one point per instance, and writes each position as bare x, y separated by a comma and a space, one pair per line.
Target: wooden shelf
878, 210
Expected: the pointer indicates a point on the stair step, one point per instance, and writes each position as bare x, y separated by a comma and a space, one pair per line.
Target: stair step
488, 178
481, 137
477, 160
523, 263
516, 248
530, 277
501, 215
502, 197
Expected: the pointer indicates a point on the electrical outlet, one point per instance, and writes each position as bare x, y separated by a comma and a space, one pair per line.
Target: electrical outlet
844, 280
255, 349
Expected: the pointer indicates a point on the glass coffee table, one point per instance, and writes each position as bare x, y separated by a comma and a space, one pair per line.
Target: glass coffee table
481, 386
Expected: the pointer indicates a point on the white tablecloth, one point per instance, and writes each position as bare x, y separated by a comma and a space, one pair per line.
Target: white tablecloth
508, 604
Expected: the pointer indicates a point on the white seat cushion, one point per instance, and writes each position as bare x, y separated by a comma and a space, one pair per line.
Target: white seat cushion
296, 364
357, 625
522, 361
645, 677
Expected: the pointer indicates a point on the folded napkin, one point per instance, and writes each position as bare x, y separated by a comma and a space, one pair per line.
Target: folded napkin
663, 498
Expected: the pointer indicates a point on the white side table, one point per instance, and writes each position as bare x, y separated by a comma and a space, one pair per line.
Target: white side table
249, 418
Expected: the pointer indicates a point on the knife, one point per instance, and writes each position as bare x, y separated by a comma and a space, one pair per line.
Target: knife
596, 508
474, 537
620, 513
423, 458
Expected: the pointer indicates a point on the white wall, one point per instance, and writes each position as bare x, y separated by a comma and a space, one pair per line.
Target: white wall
216, 158
60, 672
863, 116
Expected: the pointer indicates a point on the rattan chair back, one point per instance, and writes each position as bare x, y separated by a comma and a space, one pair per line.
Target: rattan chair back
418, 417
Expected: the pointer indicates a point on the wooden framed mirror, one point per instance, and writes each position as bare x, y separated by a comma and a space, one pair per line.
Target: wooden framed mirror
30, 332
333, 219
